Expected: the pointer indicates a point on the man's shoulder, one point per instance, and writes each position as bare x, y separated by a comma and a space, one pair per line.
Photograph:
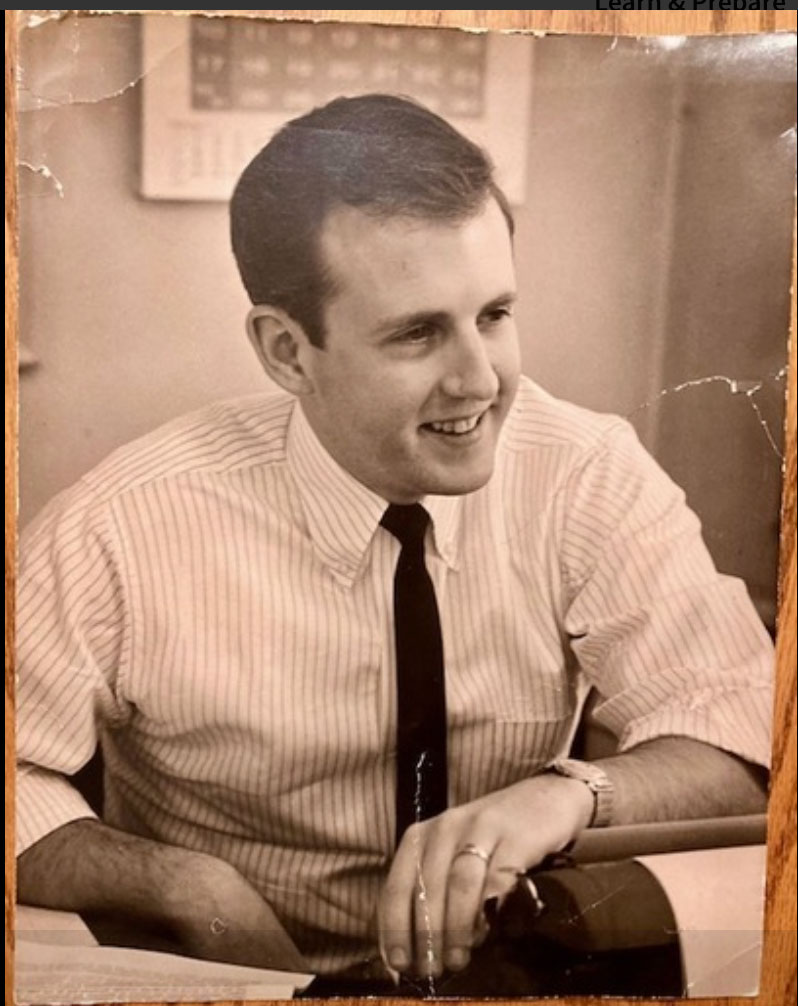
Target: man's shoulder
223, 437
539, 421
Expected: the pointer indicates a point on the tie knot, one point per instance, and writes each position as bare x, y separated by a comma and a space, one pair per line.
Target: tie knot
407, 523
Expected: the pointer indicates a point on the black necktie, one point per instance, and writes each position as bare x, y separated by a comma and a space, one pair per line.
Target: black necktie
420, 687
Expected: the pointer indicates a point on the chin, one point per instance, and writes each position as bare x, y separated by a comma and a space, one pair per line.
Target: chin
460, 485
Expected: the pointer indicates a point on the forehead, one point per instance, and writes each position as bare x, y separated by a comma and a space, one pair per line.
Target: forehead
384, 264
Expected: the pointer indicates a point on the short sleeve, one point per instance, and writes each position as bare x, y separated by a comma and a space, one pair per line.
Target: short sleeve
70, 630
672, 646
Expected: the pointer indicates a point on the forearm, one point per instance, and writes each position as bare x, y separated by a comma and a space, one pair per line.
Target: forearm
673, 778
88, 866
207, 908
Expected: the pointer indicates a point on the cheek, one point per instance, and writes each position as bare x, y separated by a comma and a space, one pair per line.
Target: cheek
394, 397
509, 351
383, 404
507, 366
391, 429
344, 391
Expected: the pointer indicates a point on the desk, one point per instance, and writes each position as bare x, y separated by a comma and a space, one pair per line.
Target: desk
718, 899
58, 960
715, 895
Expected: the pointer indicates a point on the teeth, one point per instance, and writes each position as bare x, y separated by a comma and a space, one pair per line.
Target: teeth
456, 425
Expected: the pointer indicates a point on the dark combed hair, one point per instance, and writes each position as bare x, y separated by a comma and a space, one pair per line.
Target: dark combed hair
386, 155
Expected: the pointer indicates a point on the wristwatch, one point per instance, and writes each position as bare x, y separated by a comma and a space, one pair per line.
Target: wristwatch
597, 782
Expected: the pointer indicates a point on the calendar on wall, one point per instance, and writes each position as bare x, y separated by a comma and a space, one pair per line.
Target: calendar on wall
216, 88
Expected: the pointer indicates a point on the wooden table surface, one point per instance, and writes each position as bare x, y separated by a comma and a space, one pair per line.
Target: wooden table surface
779, 967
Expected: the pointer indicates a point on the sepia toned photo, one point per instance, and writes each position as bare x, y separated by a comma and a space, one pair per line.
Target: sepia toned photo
400, 460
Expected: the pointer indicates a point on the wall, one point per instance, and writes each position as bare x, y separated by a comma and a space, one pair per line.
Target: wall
134, 308
655, 249
728, 304
593, 243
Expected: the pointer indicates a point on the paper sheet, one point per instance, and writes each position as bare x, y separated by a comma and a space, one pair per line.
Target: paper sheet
719, 916
81, 974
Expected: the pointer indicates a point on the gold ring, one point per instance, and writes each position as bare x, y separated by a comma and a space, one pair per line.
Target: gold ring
469, 849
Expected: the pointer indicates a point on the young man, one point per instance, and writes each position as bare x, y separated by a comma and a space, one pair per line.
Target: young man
216, 603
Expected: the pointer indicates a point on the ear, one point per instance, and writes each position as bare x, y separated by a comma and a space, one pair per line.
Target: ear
280, 344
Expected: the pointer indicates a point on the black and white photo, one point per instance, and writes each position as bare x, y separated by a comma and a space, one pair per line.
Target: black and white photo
400, 463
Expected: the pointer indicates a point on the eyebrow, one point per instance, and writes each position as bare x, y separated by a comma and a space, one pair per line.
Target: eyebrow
407, 321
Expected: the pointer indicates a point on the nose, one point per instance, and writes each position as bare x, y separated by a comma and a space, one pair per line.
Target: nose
469, 372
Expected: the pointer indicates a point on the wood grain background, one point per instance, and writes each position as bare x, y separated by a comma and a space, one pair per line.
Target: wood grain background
779, 963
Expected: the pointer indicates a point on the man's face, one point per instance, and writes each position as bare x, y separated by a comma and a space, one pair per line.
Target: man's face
420, 362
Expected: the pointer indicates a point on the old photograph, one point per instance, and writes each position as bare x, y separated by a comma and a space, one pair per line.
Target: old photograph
400, 459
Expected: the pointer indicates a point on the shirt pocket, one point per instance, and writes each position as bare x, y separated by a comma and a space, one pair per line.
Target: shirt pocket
498, 752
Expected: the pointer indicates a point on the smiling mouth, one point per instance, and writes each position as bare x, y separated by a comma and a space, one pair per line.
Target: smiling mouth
455, 427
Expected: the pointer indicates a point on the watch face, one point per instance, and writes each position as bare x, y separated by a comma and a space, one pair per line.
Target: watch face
592, 775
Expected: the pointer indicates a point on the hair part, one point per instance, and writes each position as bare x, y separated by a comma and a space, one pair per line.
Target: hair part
385, 155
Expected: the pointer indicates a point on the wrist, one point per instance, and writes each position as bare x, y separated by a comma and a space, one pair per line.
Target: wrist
594, 782
580, 799
567, 804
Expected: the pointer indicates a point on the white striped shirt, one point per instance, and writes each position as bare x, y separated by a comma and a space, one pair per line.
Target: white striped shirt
215, 602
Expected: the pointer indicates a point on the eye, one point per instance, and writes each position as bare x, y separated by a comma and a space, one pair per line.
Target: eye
417, 335
496, 315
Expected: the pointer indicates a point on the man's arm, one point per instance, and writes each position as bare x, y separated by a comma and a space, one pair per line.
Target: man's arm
203, 903
431, 907
677, 778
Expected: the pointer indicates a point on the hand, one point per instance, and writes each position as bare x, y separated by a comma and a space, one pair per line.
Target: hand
430, 912
217, 915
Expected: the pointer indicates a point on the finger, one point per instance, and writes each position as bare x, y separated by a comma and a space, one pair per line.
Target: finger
508, 863
464, 899
395, 912
430, 897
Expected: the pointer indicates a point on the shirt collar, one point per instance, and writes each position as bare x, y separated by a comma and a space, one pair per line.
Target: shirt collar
343, 514
445, 514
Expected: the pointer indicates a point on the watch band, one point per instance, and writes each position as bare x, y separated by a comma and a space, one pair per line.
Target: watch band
596, 780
